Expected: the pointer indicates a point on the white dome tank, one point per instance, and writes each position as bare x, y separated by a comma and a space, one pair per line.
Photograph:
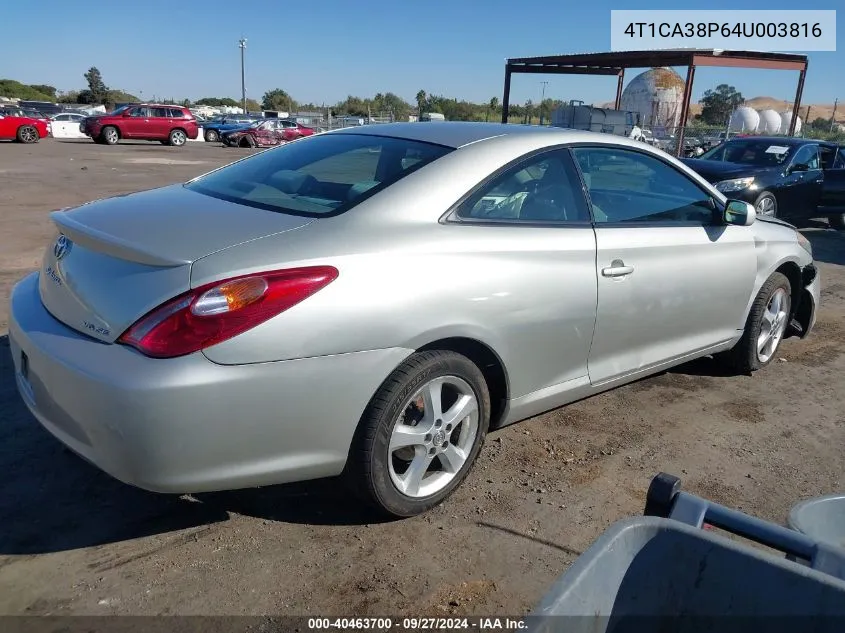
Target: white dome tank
786, 118
656, 95
770, 122
744, 119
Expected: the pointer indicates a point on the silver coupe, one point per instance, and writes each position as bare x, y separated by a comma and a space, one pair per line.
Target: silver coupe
369, 302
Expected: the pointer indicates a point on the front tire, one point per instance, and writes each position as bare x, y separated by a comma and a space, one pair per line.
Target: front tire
177, 138
211, 136
110, 135
420, 434
766, 204
765, 327
27, 134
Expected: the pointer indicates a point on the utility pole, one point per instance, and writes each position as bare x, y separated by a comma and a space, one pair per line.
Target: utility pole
542, 98
833, 116
242, 46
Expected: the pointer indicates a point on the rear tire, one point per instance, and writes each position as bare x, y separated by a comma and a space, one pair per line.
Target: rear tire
837, 221
769, 315
177, 138
27, 134
109, 135
429, 418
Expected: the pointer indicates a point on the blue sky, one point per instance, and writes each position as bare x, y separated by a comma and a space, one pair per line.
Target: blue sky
324, 50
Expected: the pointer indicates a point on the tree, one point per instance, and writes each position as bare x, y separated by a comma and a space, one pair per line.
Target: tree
253, 106
15, 89
96, 85
277, 99
718, 104
217, 101
492, 107
422, 101
820, 124
43, 88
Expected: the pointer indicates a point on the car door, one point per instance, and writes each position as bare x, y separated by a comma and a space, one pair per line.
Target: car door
7, 128
137, 124
160, 124
529, 232
672, 279
832, 199
801, 192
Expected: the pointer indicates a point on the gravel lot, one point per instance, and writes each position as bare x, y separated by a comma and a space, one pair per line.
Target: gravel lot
74, 541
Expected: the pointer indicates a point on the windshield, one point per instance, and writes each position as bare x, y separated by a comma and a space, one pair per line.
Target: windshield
318, 176
120, 110
761, 153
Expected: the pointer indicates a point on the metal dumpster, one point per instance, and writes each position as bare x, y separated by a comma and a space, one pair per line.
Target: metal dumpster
663, 572
822, 519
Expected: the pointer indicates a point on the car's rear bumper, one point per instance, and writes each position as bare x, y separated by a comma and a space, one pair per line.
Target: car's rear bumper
187, 424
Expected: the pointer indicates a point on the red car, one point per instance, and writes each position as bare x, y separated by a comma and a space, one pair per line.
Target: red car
22, 129
267, 133
168, 124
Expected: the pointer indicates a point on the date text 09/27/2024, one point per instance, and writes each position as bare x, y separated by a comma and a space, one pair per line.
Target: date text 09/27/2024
417, 624
725, 29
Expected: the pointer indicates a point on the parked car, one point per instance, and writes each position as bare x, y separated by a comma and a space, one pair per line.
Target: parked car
68, 125
266, 133
784, 177
168, 124
213, 129
22, 129
370, 301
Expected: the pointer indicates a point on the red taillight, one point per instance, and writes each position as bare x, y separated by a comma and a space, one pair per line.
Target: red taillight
218, 311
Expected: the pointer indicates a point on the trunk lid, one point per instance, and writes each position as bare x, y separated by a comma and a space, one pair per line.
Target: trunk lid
117, 259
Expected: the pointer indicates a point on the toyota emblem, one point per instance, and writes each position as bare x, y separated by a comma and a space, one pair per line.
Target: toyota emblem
62, 247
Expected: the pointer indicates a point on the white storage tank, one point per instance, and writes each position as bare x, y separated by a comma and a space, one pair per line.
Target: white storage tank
656, 95
744, 119
786, 118
770, 122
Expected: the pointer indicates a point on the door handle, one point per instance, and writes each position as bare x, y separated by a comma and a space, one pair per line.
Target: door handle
617, 269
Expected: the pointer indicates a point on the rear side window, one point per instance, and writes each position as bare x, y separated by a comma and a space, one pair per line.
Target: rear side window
174, 113
318, 176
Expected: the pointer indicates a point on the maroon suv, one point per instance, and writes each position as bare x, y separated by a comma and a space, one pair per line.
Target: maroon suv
168, 124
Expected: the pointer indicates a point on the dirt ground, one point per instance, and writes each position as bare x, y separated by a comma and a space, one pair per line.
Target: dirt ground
74, 541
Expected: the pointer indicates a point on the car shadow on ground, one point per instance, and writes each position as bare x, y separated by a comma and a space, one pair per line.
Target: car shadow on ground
828, 244
51, 500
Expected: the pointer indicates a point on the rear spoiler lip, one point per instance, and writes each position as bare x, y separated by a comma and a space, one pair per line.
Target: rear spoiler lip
109, 244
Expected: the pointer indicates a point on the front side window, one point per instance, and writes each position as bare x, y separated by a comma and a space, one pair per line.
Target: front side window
141, 113
807, 157
629, 186
322, 175
543, 188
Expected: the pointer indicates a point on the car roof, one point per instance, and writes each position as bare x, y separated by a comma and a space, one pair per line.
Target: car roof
781, 140
452, 134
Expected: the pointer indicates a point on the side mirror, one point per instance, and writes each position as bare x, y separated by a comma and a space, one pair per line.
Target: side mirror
739, 213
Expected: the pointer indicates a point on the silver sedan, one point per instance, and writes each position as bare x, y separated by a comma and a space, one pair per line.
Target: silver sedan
369, 302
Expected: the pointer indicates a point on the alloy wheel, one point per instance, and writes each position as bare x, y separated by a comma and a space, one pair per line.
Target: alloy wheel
766, 206
433, 437
773, 325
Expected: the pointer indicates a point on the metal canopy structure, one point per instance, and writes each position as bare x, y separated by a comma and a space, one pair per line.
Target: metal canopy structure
617, 63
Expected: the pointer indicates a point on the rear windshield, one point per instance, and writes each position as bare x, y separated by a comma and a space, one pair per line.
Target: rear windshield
320, 175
